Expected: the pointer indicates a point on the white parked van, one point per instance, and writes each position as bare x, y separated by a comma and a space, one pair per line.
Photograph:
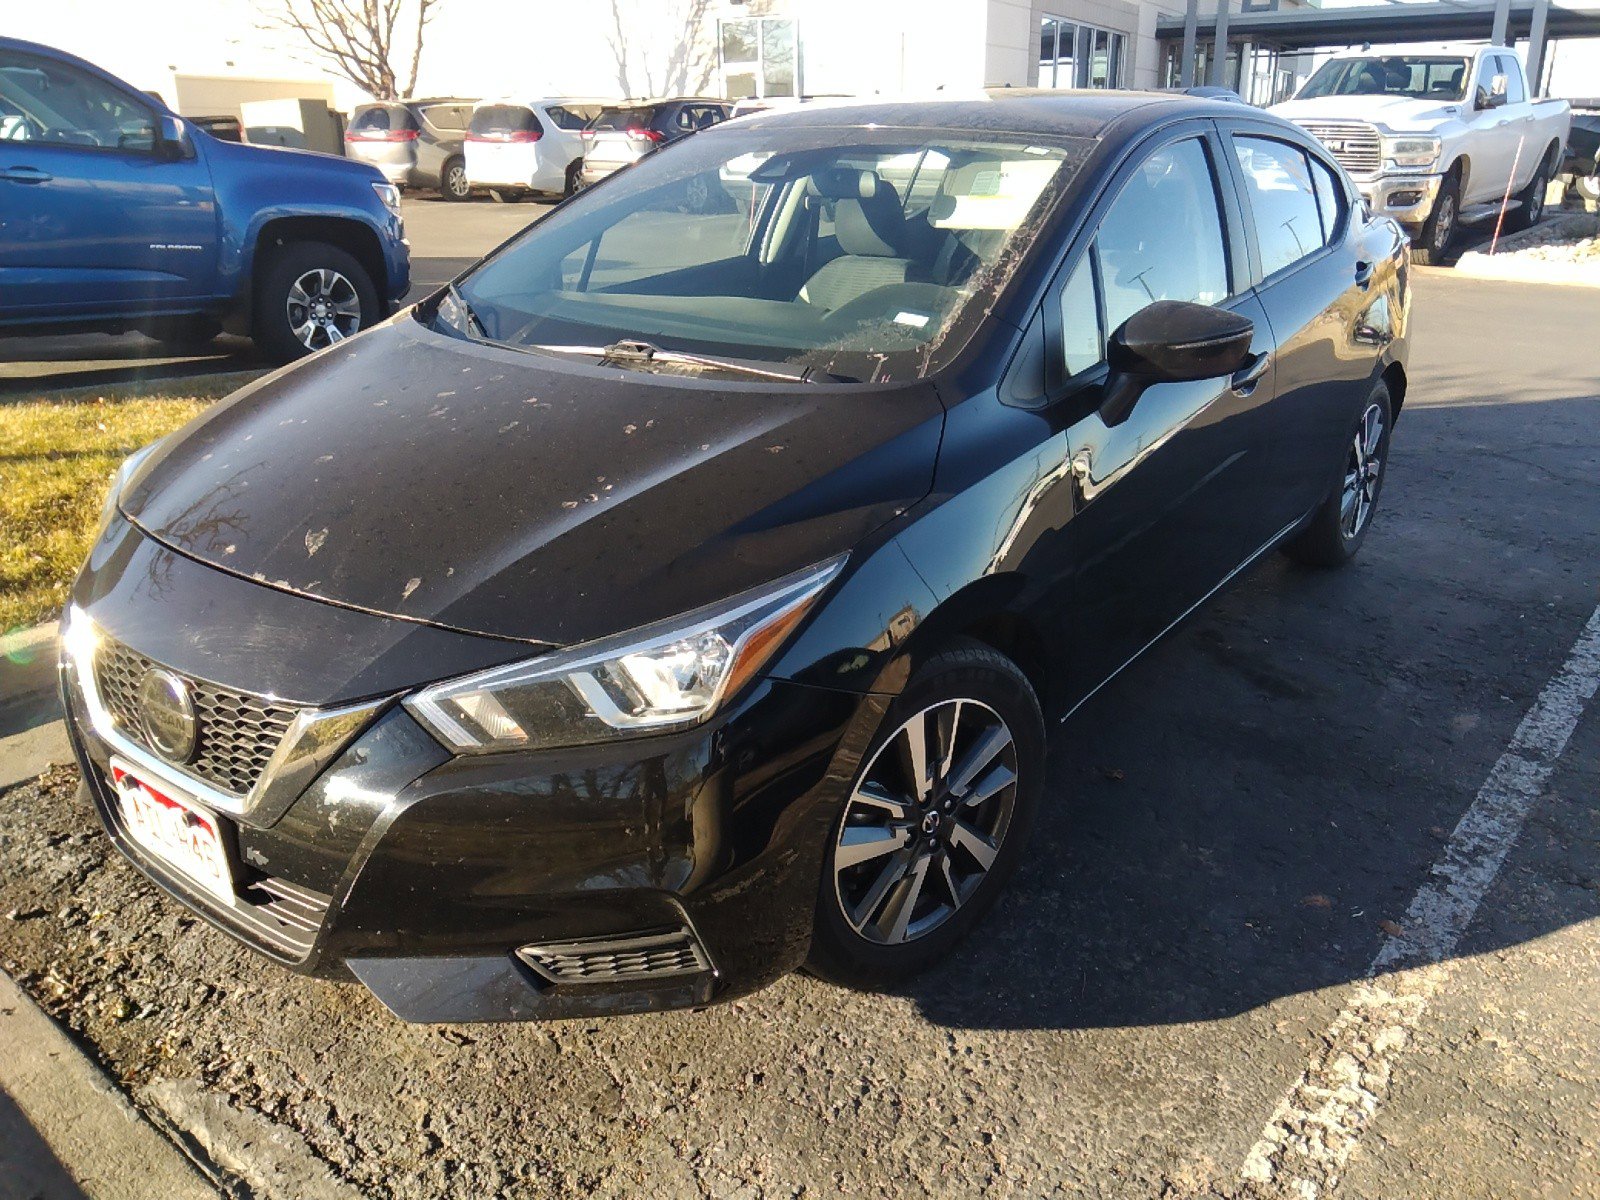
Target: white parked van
515, 147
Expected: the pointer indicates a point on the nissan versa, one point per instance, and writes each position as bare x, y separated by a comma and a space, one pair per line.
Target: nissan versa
683, 597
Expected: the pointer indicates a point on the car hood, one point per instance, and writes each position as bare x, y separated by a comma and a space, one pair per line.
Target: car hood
416, 475
1397, 113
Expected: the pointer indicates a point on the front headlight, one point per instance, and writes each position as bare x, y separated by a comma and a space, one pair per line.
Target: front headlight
1410, 153
389, 194
125, 470
665, 676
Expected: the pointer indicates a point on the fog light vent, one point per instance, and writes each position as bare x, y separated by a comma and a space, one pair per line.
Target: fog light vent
607, 960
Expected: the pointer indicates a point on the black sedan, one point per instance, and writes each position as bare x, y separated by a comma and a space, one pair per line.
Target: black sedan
683, 597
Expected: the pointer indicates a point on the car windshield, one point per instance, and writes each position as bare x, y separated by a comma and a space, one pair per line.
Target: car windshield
1419, 77
866, 260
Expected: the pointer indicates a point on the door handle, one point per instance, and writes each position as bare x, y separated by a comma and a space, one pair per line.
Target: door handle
1246, 377
1363, 274
24, 175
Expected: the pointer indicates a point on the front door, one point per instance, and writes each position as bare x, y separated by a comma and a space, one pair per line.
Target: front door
1170, 501
94, 221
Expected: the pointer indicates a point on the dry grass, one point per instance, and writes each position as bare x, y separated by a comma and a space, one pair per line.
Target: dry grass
56, 458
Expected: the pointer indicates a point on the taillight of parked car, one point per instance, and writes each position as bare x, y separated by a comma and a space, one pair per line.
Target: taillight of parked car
380, 135
653, 136
506, 135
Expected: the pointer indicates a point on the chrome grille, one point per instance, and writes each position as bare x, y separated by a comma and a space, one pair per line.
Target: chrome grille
236, 732
1353, 144
607, 960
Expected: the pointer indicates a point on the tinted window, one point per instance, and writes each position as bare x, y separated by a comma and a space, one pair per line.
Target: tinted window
1081, 340
449, 117
1283, 201
565, 117
623, 118
1330, 196
503, 118
46, 101
1162, 238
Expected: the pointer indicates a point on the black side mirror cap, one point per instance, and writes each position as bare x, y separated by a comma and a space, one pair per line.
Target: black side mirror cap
172, 138
1172, 341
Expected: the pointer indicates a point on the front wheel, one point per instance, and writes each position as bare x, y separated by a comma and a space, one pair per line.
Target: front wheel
1337, 529
574, 181
936, 821
1439, 229
310, 296
453, 181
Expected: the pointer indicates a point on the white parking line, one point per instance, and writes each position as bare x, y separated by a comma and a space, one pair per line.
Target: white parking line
1306, 1143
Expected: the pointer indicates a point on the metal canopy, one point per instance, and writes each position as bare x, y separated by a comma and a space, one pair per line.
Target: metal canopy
1440, 20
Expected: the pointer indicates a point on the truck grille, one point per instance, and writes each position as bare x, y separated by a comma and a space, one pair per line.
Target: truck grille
608, 960
236, 732
1353, 144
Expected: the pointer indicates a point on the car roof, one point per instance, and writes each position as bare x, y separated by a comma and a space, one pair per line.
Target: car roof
540, 102
650, 101
1045, 112
1420, 49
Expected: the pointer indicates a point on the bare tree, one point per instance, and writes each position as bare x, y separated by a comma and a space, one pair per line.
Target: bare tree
358, 37
686, 67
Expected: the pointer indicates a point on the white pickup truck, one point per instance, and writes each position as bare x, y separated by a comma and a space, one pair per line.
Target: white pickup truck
1433, 135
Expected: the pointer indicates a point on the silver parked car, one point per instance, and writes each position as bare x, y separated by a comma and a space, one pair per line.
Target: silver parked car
415, 143
624, 133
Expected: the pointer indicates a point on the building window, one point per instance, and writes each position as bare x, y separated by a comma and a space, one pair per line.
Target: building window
759, 57
1079, 56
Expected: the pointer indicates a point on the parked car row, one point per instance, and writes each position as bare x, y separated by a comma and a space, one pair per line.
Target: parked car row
511, 147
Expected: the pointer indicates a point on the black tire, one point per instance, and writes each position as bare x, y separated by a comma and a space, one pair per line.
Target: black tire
996, 696
1588, 186
185, 335
285, 266
574, 183
453, 181
1327, 540
1434, 239
1530, 200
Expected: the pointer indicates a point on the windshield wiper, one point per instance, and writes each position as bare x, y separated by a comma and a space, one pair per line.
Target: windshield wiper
632, 350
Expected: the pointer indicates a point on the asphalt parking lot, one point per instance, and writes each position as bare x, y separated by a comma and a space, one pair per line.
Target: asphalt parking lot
1242, 822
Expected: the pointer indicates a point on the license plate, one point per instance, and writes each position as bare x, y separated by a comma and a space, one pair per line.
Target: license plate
175, 830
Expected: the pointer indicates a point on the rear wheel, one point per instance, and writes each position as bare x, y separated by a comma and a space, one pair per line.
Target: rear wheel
936, 822
453, 182
574, 183
1530, 200
309, 296
1440, 228
1340, 525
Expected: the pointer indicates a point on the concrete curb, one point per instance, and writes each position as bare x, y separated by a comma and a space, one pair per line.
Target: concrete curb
1515, 269
31, 733
96, 1135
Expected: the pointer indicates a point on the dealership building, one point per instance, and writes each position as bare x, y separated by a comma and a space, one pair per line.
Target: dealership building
737, 48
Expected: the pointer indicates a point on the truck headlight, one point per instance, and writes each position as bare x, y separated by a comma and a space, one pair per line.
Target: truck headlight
389, 194
1410, 153
665, 676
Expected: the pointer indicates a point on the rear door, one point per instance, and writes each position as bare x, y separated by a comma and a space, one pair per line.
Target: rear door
1321, 273
95, 219
620, 136
1170, 501
501, 145
386, 136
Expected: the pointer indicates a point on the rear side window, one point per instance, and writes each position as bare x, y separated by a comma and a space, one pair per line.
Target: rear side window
451, 118
1330, 196
503, 119
1283, 201
1162, 237
381, 118
565, 118
624, 118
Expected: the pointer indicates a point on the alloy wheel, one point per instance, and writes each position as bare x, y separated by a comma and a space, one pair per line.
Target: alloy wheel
1536, 201
1445, 223
1363, 473
323, 307
456, 183
925, 822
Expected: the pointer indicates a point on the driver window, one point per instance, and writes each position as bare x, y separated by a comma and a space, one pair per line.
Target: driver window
50, 102
1162, 237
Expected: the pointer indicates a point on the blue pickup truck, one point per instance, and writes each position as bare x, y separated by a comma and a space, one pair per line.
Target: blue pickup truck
115, 215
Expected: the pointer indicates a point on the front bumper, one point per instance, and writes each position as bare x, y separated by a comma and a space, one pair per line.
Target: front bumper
1408, 199
423, 875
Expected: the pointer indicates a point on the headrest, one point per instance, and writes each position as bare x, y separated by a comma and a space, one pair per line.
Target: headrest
845, 183
872, 226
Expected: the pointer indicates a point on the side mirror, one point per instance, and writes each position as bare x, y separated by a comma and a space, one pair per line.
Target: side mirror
172, 138
1171, 341
1486, 99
